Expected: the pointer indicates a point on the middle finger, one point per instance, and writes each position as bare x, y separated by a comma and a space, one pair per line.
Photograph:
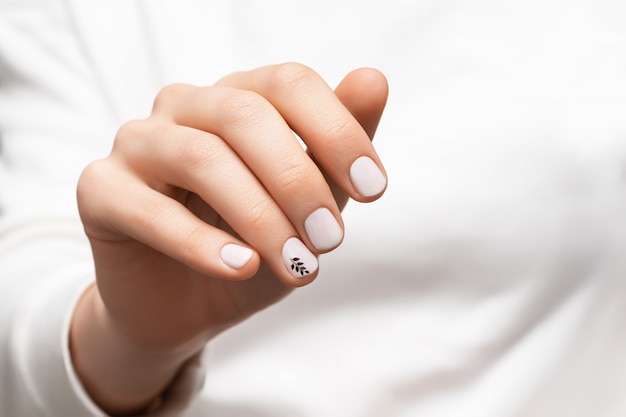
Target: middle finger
256, 131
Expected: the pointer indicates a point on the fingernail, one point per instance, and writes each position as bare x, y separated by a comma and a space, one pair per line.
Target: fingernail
298, 258
323, 230
235, 256
366, 177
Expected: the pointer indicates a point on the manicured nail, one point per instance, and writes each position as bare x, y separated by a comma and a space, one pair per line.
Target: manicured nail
323, 230
235, 256
298, 258
366, 177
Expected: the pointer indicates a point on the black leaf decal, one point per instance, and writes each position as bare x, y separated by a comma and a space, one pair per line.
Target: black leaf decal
298, 266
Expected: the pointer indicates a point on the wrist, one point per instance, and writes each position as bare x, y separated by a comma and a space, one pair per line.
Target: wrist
119, 374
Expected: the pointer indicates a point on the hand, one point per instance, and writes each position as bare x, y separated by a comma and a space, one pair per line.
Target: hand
210, 190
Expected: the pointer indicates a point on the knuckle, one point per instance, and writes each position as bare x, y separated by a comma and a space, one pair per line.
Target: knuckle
261, 215
89, 177
293, 178
149, 217
195, 151
239, 107
341, 130
94, 178
131, 128
170, 93
193, 241
291, 75
128, 133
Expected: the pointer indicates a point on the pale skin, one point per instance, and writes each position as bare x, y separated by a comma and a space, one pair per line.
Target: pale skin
211, 166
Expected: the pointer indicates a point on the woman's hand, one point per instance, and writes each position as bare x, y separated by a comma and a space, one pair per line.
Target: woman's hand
210, 210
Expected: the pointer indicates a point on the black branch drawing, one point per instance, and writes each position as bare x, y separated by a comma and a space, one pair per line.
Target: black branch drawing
298, 266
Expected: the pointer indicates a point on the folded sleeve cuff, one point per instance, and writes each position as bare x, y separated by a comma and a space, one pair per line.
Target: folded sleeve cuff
40, 355
39, 346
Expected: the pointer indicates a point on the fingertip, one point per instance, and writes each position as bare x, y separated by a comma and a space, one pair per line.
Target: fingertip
242, 262
367, 178
370, 79
323, 230
301, 281
299, 263
364, 92
235, 256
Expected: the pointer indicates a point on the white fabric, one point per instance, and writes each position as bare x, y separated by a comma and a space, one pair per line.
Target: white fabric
490, 280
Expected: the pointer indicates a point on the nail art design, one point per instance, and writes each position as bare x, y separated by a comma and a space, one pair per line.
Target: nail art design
298, 266
298, 259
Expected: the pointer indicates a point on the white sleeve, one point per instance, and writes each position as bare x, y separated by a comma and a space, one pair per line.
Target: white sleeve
41, 379
46, 266
53, 120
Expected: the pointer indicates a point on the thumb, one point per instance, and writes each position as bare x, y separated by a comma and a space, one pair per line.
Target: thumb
364, 93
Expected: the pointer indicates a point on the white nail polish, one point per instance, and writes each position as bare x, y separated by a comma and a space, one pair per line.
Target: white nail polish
323, 230
298, 258
366, 177
235, 256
